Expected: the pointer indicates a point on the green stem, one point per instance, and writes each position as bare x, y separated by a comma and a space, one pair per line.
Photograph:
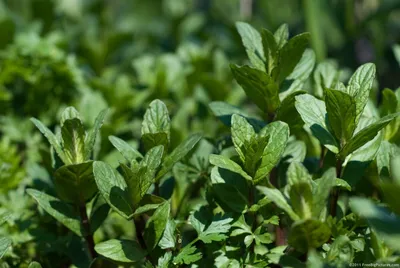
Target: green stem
335, 192
86, 226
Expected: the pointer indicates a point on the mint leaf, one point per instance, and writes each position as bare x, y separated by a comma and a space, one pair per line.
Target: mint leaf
73, 137
155, 226
168, 240
322, 190
259, 87
113, 188
277, 197
226, 163
243, 135
251, 40
126, 251
341, 110
93, 133
5, 244
313, 112
365, 135
178, 153
270, 48
278, 133
281, 35
62, 212
289, 56
54, 142
325, 76
75, 183
308, 234
127, 151
156, 125
360, 85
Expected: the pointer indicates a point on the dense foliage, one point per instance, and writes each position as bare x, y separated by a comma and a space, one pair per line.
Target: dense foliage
175, 134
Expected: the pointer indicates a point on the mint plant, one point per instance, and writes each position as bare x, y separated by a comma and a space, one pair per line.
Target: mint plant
212, 153
73, 179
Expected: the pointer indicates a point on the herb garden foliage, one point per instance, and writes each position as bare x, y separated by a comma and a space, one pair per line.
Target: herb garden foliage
311, 179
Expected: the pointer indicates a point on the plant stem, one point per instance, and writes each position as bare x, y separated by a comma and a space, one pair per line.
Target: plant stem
86, 226
139, 227
322, 157
157, 188
280, 232
335, 192
140, 224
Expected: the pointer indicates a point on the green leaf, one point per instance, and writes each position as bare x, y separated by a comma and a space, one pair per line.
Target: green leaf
278, 133
277, 197
224, 162
187, 255
51, 138
365, 135
156, 119
295, 151
151, 140
325, 76
214, 232
341, 110
168, 239
127, 151
313, 112
229, 196
164, 261
62, 212
113, 188
121, 250
251, 40
305, 66
5, 243
360, 85
98, 213
73, 137
297, 172
301, 199
322, 190
69, 113
93, 133
34, 264
156, 225
341, 250
289, 56
243, 135
308, 234
156, 125
148, 203
287, 112
396, 52
390, 105
281, 35
75, 183
342, 184
270, 48
382, 221
259, 87
177, 154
